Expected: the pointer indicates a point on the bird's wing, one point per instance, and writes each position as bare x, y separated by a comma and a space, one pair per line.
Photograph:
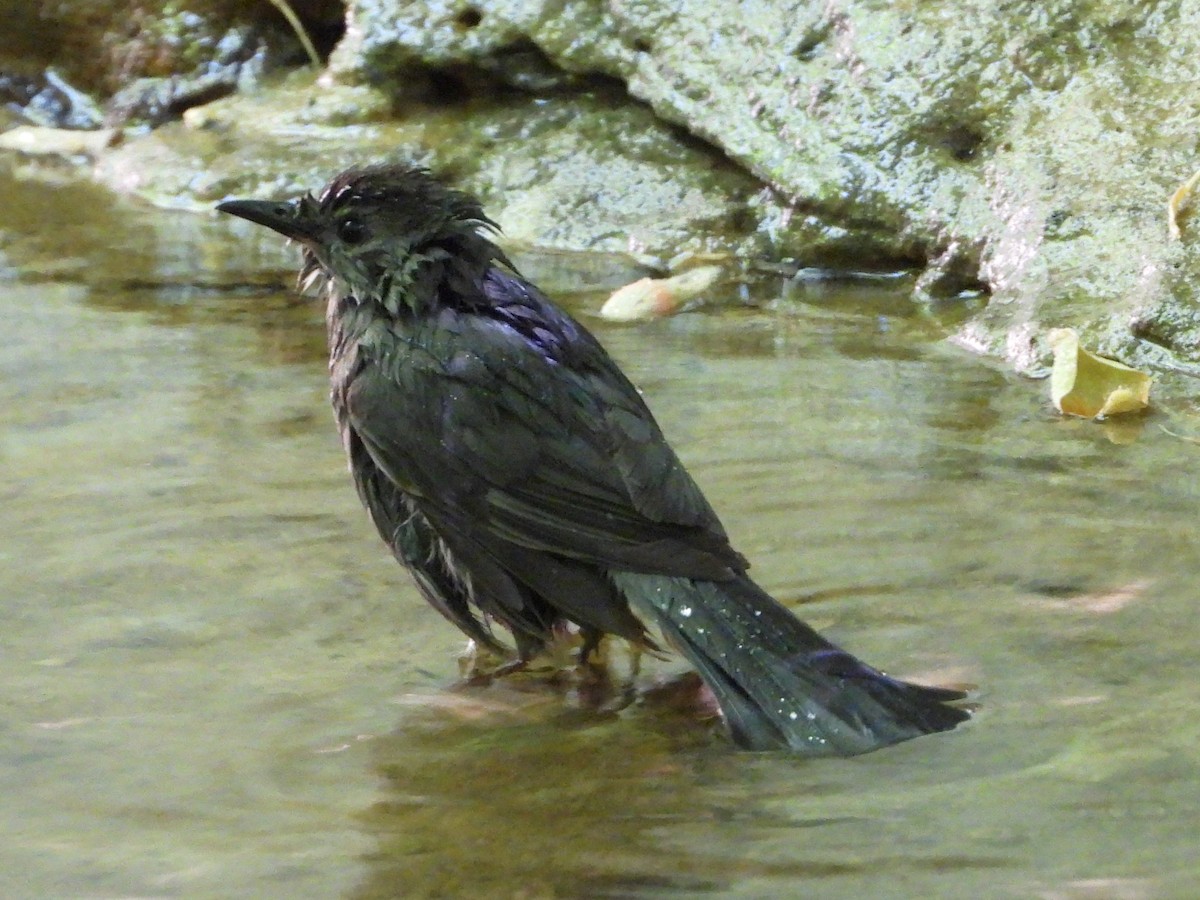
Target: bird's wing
514, 423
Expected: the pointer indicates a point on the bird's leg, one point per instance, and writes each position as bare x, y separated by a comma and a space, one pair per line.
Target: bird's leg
597, 667
479, 665
511, 667
591, 644
635, 660
527, 648
468, 660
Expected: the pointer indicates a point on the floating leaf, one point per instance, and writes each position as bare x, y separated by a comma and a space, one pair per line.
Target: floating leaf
1083, 384
650, 298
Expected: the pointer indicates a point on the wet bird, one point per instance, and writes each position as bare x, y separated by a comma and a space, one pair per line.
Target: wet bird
518, 474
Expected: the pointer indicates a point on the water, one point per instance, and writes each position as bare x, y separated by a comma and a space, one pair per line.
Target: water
218, 684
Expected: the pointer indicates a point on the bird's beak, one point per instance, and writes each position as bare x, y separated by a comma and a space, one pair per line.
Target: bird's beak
286, 217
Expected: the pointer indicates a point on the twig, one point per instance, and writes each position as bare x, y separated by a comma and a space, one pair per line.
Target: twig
294, 21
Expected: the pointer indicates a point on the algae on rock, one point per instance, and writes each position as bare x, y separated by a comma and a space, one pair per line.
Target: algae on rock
1018, 149
1021, 147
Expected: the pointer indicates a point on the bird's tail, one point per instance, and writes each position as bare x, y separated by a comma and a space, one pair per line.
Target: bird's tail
779, 683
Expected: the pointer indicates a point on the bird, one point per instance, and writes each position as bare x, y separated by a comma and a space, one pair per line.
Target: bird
519, 475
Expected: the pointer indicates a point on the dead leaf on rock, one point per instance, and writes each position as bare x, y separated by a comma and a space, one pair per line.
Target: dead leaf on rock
1083, 384
1179, 207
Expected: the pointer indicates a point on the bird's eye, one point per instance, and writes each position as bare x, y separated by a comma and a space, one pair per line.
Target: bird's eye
351, 231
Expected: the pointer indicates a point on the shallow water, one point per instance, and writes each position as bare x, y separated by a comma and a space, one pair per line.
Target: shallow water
217, 683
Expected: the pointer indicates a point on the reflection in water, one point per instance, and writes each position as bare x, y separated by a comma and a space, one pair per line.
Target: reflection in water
514, 791
204, 641
512, 794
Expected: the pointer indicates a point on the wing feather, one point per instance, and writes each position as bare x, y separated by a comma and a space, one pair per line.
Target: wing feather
510, 420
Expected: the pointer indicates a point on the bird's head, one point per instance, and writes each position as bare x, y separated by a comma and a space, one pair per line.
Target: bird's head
387, 234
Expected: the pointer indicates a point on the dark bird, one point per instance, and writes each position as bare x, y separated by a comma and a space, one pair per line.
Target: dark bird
517, 473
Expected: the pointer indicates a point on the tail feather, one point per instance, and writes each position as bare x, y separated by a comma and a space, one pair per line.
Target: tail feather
779, 683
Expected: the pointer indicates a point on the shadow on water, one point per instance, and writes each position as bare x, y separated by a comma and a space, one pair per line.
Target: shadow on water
219, 684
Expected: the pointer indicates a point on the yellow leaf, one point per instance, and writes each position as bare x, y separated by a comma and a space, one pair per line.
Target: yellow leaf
1083, 384
1179, 207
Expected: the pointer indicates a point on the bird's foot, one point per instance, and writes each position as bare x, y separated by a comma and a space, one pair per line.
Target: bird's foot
479, 665
511, 668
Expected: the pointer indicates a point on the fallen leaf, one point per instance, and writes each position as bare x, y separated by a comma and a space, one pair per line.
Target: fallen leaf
1179, 207
650, 298
1083, 384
